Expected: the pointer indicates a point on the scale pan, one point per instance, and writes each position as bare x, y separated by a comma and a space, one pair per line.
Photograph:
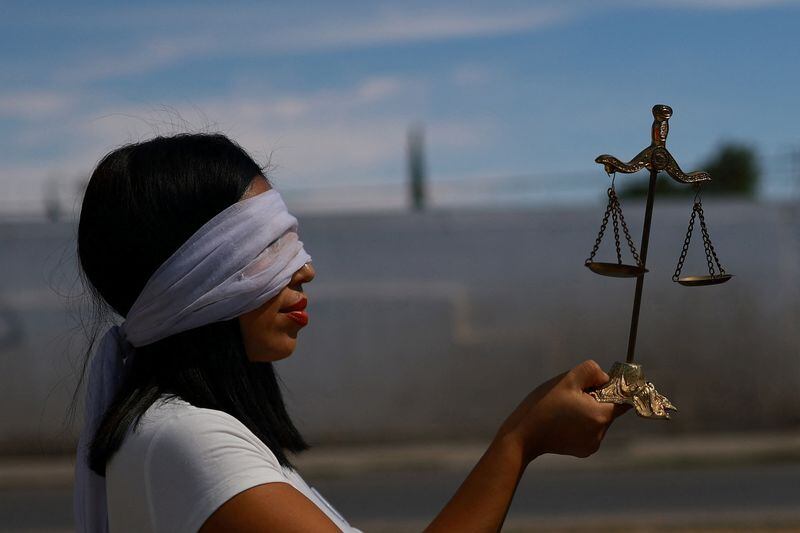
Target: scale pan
696, 281
616, 270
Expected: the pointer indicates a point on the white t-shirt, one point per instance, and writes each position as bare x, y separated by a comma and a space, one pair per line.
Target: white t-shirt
183, 462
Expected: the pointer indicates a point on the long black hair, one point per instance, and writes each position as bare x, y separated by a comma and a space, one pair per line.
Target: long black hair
142, 202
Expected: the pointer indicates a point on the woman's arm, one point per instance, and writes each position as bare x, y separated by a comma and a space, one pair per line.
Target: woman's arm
482, 501
557, 417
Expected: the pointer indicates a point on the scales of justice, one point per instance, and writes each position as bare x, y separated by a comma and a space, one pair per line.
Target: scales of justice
627, 384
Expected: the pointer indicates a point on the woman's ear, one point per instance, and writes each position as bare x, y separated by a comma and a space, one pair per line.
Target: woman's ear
256, 186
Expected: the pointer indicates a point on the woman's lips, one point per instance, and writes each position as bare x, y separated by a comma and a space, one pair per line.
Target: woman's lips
297, 311
299, 305
301, 317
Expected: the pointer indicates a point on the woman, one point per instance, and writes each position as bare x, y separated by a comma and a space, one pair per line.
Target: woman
186, 428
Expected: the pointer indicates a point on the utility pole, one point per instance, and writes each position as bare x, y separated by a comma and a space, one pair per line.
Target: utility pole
416, 166
52, 200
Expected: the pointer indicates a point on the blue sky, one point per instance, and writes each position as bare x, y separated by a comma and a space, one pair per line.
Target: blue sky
327, 91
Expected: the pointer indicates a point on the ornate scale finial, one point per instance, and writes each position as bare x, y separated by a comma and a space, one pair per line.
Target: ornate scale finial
656, 156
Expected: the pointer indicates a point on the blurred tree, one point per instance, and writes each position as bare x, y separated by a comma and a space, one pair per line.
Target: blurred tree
733, 167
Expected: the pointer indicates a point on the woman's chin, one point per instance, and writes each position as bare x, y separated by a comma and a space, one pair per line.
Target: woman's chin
263, 354
283, 354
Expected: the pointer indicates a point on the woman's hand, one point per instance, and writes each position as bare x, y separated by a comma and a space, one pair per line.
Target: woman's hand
560, 417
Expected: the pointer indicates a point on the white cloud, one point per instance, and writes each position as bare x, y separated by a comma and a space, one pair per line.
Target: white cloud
379, 88
326, 138
291, 107
161, 36
34, 105
144, 57
431, 24
160, 47
470, 74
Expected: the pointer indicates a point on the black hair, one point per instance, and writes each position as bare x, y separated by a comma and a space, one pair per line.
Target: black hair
142, 202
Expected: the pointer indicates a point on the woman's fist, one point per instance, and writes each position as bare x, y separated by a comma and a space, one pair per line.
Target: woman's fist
560, 417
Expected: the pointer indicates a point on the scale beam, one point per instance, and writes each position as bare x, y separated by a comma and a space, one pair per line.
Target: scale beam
655, 157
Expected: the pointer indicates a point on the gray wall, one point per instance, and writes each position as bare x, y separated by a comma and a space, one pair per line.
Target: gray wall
436, 325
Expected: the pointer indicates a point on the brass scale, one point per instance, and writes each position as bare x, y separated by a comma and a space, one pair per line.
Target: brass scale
628, 384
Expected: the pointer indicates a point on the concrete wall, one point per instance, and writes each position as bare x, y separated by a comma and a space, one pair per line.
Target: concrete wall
436, 325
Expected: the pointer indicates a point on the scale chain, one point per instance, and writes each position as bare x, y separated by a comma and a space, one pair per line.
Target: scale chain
614, 210
709, 247
628, 235
711, 270
602, 231
711, 254
685, 248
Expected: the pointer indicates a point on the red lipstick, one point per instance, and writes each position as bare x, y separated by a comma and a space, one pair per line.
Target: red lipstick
297, 312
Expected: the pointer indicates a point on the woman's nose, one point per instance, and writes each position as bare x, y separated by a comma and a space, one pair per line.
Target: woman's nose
304, 274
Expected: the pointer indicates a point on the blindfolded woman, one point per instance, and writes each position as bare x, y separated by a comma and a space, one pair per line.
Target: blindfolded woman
185, 425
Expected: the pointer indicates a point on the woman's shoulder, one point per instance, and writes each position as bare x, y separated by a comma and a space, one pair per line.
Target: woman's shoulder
172, 422
170, 410
173, 428
182, 462
173, 413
